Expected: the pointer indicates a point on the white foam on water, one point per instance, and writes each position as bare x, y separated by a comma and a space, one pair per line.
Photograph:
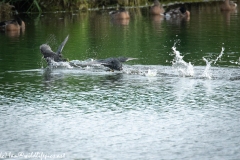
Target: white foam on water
54, 64
89, 64
133, 71
151, 73
142, 70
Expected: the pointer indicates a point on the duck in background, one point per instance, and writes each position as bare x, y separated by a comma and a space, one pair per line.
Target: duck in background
122, 13
15, 24
157, 8
228, 5
180, 12
120, 17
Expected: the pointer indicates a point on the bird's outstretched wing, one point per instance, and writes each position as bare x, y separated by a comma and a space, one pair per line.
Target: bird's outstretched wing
60, 48
124, 59
49, 54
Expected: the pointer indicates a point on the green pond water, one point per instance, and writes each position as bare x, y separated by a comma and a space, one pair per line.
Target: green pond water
178, 100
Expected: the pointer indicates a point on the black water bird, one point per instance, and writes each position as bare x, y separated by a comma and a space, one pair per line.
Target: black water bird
114, 63
49, 55
111, 63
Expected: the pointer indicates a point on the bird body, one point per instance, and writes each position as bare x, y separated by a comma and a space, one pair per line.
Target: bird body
12, 25
228, 5
119, 14
48, 54
157, 8
114, 63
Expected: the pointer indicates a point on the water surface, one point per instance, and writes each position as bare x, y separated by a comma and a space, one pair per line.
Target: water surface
161, 106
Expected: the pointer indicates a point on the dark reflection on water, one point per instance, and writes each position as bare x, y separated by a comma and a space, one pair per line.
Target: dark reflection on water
133, 114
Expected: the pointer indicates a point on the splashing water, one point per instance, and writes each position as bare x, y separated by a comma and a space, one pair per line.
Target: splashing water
151, 73
183, 68
54, 64
140, 70
220, 55
52, 41
207, 73
86, 64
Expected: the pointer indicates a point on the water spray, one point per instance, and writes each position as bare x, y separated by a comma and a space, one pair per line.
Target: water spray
184, 68
207, 74
220, 55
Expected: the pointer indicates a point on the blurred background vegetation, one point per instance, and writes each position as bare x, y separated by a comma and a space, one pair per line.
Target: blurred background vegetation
71, 5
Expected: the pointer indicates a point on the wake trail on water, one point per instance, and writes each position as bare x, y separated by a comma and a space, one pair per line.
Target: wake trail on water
183, 68
61, 65
92, 65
